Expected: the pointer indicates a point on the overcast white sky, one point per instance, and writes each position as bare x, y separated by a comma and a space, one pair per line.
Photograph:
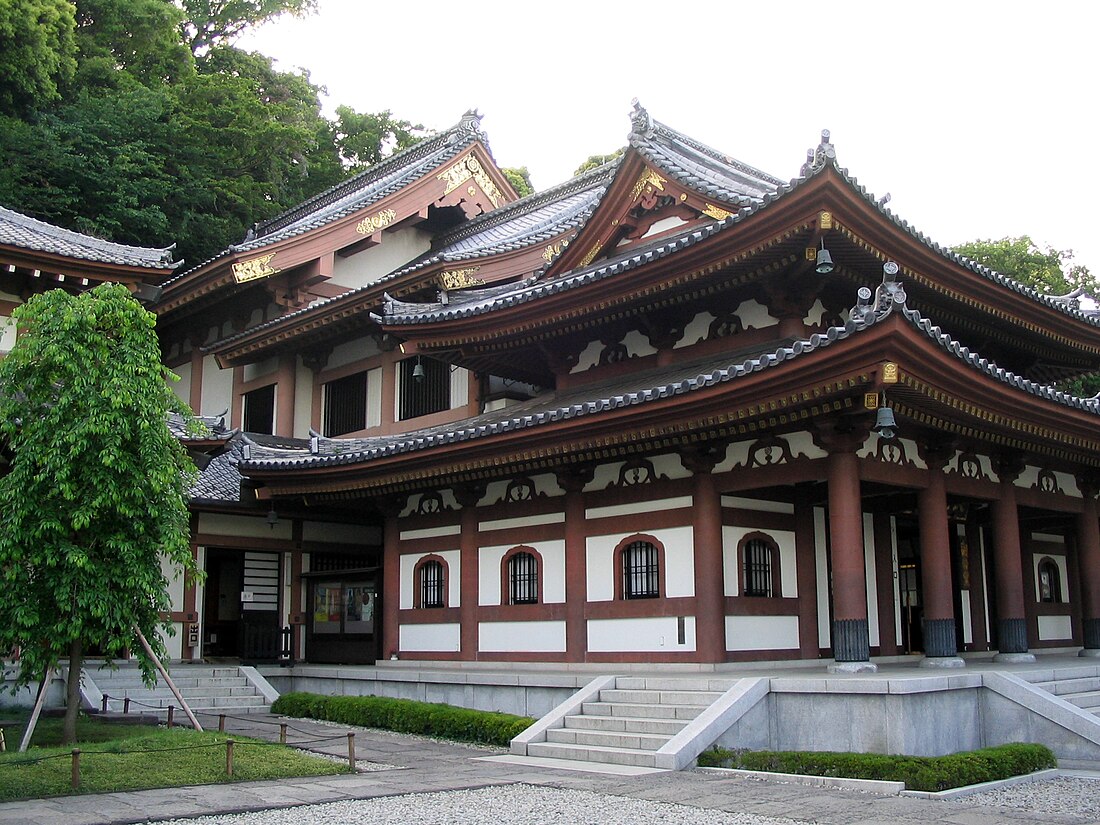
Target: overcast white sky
978, 117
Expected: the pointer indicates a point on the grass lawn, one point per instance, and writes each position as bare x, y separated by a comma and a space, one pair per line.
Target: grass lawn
129, 757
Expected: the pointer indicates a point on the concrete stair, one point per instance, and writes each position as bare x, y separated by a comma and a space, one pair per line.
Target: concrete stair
208, 689
1080, 686
630, 721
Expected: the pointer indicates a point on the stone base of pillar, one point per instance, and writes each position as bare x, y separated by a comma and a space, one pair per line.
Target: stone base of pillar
1092, 634
939, 638
851, 640
1089, 653
1014, 658
941, 662
1012, 635
852, 667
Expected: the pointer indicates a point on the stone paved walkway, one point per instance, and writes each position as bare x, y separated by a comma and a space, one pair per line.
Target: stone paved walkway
432, 766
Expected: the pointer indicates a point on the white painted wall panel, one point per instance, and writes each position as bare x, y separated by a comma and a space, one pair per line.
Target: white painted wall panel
522, 637
219, 524
351, 351
761, 632
1055, 628
695, 331
634, 508
303, 400
181, 388
552, 572
217, 388
428, 638
431, 532
454, 576
788, 573
754, 315
265, 368
374, 397
652, 635
824, 626
869, 573
523, 521
1063, 577
368, 265
363, 534
679, 562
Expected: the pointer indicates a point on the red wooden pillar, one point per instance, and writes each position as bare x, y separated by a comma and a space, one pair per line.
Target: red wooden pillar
1008, 568
573, 480
284, 395
851, 642
884, 580
710, 597
468, 496
805, 554
940, 646
391, 575
1088, 561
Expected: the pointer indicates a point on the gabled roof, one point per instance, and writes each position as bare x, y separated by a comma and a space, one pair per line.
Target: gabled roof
18, 230
360, 191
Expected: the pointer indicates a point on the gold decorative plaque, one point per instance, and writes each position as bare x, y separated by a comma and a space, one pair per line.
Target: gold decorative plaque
372, 223
870, 400
716, 212
551, 251
254, 269
465, 169
460, 278
825, 220
590, 256
889, 373
646, 179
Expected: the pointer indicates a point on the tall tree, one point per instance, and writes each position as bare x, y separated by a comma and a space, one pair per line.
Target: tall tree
212, 23
364, 138
96, 496
1050, 271
37, 51
520, 178
595, 161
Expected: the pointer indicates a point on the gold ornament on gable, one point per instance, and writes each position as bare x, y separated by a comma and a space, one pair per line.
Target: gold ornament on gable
647, 180
460, 278
716, 212
468, 168
372, 223
254, 269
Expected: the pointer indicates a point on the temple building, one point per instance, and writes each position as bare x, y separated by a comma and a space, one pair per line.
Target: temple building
673, 410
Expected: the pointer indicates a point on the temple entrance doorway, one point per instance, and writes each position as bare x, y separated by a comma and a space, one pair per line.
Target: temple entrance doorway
241, 605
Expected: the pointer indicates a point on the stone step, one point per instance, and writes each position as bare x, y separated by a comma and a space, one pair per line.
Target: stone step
643, 710
626, 724
607, 739
188, 692
1064, 686
184, 681
201, 702
588, 753
660, 697
674, 683
1087, 700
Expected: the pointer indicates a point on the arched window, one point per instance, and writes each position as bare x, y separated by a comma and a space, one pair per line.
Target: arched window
523, 577
431, 583
759, 558
641, 571
1050, 581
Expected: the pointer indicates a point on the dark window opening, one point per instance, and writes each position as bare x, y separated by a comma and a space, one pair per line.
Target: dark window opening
432, 582
424, 391
523, 579
345, 405
641, 571
1050, 582
259, 410
758, 568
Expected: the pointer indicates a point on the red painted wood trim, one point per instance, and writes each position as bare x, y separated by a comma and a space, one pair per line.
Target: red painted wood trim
805, 558
760, 606
640, 608
429, 615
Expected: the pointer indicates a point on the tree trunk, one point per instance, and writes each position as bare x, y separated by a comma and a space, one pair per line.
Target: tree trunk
72, 698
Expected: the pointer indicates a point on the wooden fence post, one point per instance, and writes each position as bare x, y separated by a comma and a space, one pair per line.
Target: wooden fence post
351, 752
228, 757
76, 768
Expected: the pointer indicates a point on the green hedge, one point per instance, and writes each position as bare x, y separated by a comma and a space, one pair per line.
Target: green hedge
406, 716
919, 773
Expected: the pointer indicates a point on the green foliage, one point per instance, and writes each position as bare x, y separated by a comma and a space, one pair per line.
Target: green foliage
213, 23
117, 758
364, 138
406, 716
595, 161
520, 178
1050, 271
37, 51
96, 495
920, 773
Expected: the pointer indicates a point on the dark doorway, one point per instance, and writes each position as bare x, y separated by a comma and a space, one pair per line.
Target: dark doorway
241, 605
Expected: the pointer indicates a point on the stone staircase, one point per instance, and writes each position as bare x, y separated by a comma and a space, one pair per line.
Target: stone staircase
628, 720
1080, 686
208, 689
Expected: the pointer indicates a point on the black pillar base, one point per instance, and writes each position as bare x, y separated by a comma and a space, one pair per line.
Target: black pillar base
851, 640
1012, 635
939, 637
1092, 633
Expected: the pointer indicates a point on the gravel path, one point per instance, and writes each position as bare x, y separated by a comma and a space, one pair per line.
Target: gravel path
492, 806
1066, 795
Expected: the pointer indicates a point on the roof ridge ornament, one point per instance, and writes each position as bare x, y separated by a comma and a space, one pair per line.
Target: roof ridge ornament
641, 122
468, 126
818, 157
888, 296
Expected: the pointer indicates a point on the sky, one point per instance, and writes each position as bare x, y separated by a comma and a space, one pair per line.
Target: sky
977, 117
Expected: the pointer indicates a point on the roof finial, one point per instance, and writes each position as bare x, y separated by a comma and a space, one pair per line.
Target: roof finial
640, 121
816, 159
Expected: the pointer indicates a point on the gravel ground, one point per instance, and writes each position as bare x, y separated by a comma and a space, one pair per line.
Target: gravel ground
492, 806
1065, 795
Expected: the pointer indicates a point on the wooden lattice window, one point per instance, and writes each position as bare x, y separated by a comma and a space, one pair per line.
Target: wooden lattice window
757, 561
641, 564
523, 578
1050, 582
432, 584
425, 390
345, 403
259, 410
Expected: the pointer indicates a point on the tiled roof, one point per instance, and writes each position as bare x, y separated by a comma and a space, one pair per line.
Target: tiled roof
641, 388
696, 166
24, 232
369, 186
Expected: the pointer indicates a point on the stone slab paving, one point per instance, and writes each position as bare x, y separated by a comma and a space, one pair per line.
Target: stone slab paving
431, 767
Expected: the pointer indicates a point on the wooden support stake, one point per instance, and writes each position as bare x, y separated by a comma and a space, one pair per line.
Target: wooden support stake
33, 721
76, 768
228, 757
167, 679
282, 733
103, 707
126, 705
351, 752
3, 744
221, 723
171, 714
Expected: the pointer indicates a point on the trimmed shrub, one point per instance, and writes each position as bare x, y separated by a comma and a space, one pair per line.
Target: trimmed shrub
919, 773
406, 716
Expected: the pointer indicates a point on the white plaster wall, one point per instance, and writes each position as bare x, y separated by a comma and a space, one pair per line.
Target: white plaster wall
754, 315
351, 351
303, 400
1053, 628
897, 582
1028, 477
652, 635
637, 345
172, 573
552, 572
521, 521
454, 578
343, 533
634, 508
869, 572
589, 357
1063, 577
761, 632
802, 445
668, 465
824, 627
545, 485
219, 524
431, 532
200, 599
369, 265
731, 536
757, 504
181, 388
524, 637
679, 562
266, 367
663, 226
966, 617
816, 313
374, 397
447, 497
696, 330
439, 638
217, 388
460, 387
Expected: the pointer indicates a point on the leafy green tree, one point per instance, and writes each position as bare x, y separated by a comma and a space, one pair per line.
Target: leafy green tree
212, 23
96, 495
595, 161
520, 178
364, 139
37, 51
1050, 271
